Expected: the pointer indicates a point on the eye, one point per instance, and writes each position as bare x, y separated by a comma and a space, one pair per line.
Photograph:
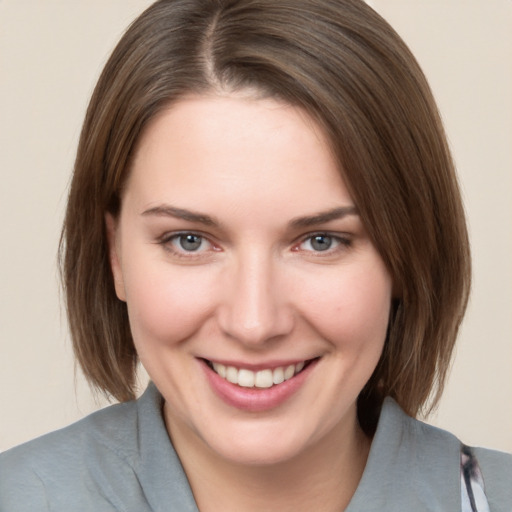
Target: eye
186, 244
323, 242
189, 242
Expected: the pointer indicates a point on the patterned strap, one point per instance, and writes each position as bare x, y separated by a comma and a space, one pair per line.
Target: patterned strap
472, 487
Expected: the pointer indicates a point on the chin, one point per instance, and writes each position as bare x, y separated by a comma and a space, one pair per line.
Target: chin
264, 452
260, 443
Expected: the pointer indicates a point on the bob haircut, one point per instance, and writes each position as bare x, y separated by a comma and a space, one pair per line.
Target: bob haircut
347, 68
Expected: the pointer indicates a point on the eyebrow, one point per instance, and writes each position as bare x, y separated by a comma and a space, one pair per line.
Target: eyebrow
165, 210
181, 213
323, 217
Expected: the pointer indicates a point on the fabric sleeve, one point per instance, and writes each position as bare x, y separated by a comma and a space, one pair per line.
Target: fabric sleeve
21, 489
497, 475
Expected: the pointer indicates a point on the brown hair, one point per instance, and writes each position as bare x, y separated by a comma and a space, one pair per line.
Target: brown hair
345, 66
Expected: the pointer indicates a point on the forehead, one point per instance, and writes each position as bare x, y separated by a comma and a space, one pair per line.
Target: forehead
231, 149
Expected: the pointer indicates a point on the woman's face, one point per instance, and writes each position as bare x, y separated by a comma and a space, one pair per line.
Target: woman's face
258, 304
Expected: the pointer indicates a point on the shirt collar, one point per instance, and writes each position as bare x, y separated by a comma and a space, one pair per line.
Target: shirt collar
411, 465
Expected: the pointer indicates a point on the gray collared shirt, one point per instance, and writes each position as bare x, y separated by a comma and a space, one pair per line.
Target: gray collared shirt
121, 459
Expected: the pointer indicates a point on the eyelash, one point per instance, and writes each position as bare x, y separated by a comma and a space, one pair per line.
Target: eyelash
342, 242
167, 242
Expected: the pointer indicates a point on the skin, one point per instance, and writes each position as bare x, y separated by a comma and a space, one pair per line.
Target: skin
256, 290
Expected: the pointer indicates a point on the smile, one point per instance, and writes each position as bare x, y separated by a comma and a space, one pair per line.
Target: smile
265, 378
261, 388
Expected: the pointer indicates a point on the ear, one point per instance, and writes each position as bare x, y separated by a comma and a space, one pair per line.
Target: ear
111, 225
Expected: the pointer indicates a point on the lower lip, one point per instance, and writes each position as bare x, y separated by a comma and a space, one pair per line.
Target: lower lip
256, 399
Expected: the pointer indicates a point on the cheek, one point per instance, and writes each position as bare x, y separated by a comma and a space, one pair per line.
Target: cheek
166, 305
352, 308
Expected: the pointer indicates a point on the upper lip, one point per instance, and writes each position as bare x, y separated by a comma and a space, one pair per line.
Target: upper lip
266, 365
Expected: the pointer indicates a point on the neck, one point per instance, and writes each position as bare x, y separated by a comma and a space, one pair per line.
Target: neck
323, 477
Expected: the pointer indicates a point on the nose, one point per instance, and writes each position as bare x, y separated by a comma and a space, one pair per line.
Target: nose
255, 309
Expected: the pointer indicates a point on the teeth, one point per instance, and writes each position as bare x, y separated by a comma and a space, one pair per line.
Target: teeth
289, 372
246, 378
220, 369
260, 379
263, 379
232, 374
278, 376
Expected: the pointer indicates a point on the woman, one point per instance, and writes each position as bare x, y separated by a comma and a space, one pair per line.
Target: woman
264, 212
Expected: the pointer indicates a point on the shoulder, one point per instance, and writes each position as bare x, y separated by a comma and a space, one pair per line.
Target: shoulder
496, 468
63, 462
425, 468
415, 466
120, 458
416, 439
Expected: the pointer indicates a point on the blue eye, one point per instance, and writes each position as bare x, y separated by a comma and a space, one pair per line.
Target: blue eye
321, 242
189, 242
324, 243
188, 246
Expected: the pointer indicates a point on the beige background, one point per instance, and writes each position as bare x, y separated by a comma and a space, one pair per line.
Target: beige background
51, 52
